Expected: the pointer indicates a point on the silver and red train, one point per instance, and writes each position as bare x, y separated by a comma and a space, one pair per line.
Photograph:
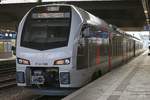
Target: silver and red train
61, 47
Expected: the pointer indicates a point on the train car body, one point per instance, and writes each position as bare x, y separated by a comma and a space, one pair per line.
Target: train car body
62, 47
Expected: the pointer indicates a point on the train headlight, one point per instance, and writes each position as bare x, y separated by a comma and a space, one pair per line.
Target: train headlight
23, 61
65, 61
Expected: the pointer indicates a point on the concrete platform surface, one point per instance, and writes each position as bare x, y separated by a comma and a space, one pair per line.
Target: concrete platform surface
8, 59
128, 82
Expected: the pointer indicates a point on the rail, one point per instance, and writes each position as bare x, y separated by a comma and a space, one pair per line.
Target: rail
7, 74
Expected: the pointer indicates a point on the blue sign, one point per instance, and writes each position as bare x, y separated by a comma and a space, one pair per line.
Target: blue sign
99, 34
10, 35
1, 35
102, 34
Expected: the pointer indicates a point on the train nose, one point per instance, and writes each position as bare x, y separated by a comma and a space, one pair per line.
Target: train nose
41, 59
56, 58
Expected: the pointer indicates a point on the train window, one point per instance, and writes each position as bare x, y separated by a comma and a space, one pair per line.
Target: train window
117, 45
45, 33
47, 29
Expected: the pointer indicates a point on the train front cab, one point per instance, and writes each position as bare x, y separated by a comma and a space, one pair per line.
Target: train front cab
58, 70
43, 67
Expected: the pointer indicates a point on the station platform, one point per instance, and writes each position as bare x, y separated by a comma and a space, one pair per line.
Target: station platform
7, 59
128, 82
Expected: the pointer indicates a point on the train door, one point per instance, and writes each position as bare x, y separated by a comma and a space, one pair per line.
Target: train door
134, 48
110, 51
114, 48
127, 50
102, 54
124, 49
82, 53
98, 49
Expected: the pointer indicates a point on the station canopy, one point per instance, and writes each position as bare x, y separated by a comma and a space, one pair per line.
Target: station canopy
27, 1
122, 13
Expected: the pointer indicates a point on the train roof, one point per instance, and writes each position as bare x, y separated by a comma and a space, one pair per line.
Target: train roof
89, 18
135, 36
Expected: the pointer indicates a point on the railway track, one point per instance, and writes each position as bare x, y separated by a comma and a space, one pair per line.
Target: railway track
7, 82
7, 74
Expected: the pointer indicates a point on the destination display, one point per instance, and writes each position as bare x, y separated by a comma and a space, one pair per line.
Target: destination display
52, 8
50, 15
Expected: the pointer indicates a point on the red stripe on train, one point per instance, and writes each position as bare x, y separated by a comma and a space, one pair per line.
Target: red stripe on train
98, 55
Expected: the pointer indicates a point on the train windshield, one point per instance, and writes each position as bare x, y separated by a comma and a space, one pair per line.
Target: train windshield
47, 29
